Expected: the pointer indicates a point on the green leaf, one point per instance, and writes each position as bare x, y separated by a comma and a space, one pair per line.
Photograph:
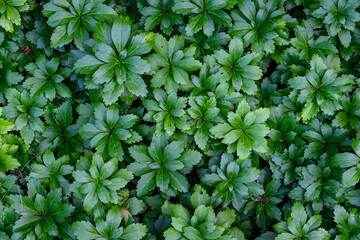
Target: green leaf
220, 130
162, 179
178, 181
85, 230
171, 63
205, 15
111, 129
298, 213
146, 183
351, 177
134, 231
345, 160
192, 233
120, 32
99, 182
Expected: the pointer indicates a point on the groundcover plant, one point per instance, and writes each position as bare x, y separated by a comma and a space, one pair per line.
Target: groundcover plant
179, 119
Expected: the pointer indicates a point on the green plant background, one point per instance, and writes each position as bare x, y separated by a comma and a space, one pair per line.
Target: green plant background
179, 119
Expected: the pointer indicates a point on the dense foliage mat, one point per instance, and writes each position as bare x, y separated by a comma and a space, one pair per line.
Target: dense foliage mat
179, 119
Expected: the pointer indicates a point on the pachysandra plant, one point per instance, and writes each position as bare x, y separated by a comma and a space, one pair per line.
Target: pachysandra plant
346, 223
7, 219
109, 227
99, 182
226, 98
201, 225
201, 222
207, 13
239, 68
9, 76
209, 84
179, 119
40, 36
244, 130
318, 185
267, 92
47, 78
265, 205
284, 131
109, 129
51, 172
320, 89
206, 81
284, 165
7, 45
207, 45
42, 214
171, 63
291, 65
116, 63
159, 13
25, 112
74, 19
349, 114
263, 24
351, 163
339, 18
167, 111
10, 13
160, 165
309, 44
61, 133
8, 162
299, 225
323, 138
203, 114
232, 181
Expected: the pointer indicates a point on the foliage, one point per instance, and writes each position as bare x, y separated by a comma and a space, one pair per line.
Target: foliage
239, 68
320, 88
51, 171
179, 119
108, 129
349, 115
25, 112
339, 18
308, 45
244, 130
116, 65
47, 78
42, 214
203, 114
160, 12
108, 227
74, 19
160, 165
201, 222
284, 131
60, 134
299, 225
318, 185
232, 182
206, 14
265, 205
100, 182
167, 111
10, 13
350, 162
8, 162
323, 138
262, 24
171, 63
346, 223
